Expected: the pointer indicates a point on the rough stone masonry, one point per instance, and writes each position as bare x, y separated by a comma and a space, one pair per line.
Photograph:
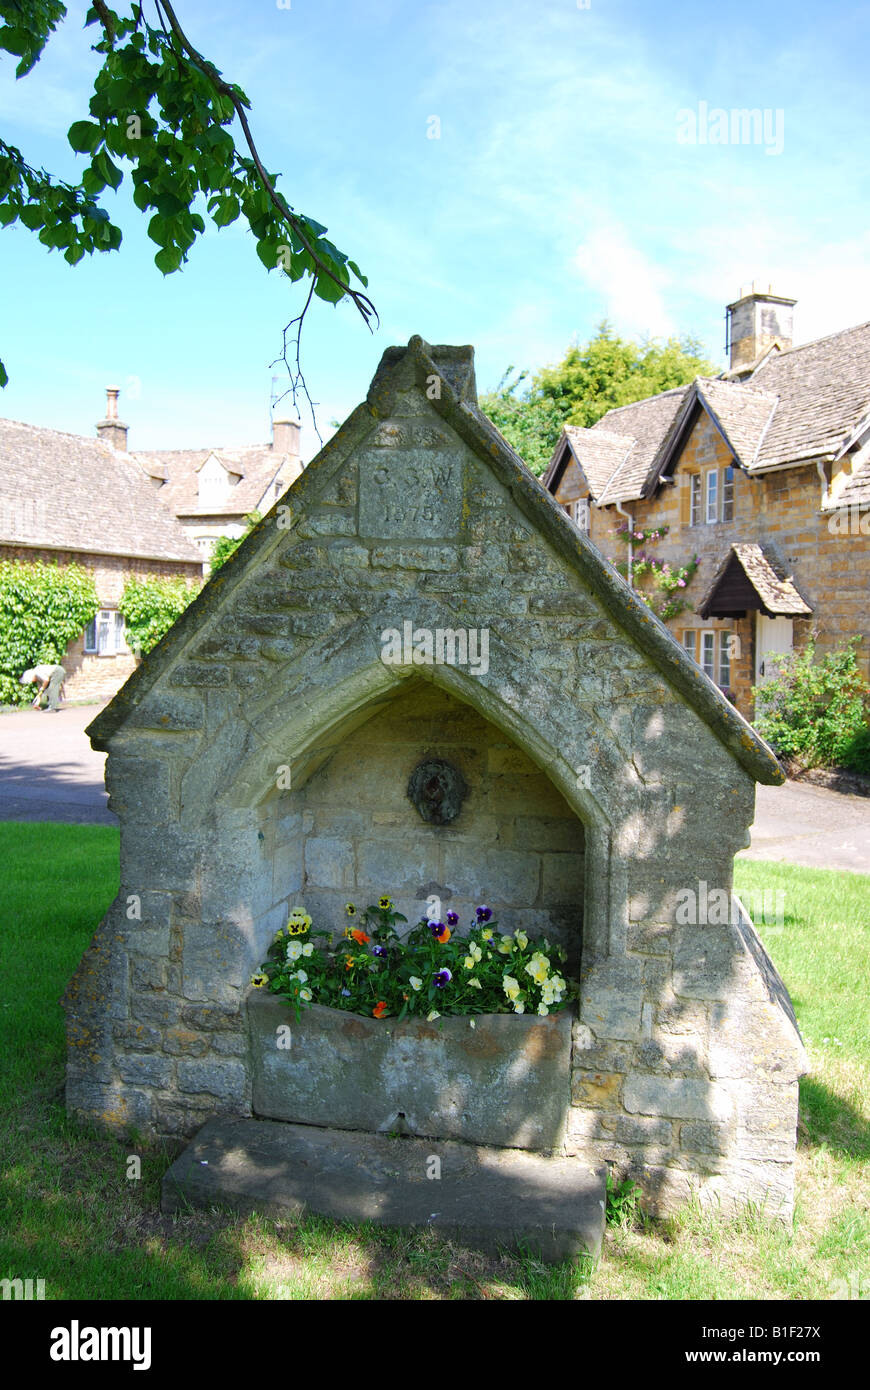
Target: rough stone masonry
261, 756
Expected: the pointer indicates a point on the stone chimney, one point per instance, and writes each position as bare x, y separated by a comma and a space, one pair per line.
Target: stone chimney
756, 321
113, 431
285, 436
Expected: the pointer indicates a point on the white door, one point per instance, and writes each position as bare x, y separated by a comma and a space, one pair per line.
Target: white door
772, 636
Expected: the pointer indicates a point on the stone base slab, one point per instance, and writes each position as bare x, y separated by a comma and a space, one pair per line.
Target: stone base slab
486, 1199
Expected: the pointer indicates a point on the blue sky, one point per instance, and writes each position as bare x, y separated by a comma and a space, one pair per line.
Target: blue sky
557, 194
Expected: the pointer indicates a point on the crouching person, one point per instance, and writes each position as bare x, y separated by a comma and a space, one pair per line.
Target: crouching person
48, 678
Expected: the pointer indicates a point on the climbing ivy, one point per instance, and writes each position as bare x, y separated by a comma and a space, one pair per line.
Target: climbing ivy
43, 607
150, 607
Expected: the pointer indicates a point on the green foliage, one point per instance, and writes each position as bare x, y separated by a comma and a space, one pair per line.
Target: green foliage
591, 379
160, 113
530, 424
431, 972
610, 371
150, 607
43, 607
225, 546
622, 1201
816, 712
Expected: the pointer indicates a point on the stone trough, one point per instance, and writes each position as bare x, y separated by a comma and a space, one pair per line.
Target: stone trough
416, 676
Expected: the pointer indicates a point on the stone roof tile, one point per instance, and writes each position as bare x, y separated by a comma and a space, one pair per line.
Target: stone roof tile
81, 495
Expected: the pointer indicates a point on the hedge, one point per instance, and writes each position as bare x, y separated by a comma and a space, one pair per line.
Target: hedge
43, 607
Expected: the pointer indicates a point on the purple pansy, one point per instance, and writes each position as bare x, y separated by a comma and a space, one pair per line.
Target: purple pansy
441, 978
484, 914
437, 929
452, 919
379, 950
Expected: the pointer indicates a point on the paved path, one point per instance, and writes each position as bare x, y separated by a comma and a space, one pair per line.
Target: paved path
802, 824
48, 771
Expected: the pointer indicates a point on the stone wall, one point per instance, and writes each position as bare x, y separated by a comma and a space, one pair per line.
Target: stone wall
516, 845
685, 1056
89, 676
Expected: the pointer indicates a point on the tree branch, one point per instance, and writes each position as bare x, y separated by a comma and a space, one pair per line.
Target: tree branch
363, 303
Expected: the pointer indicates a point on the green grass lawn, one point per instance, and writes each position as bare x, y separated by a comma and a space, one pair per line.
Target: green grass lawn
70, 1215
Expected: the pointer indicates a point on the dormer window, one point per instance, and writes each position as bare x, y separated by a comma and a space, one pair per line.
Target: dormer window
213, 485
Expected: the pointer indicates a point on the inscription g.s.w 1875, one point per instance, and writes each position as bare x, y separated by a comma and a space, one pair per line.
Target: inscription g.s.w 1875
410, 493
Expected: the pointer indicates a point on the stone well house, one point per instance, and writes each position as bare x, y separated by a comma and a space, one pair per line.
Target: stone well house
263, 756
763, 473
65, 499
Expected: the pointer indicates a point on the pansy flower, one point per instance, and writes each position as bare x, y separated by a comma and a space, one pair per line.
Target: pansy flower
441, 978
385, 903
483, 913
379, 950
298, 922
259, 980
452, 919
360, 937
440, 932
415, 982
380, 1008
350, 909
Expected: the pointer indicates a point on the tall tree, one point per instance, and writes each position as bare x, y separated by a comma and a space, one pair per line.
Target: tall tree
609, 371
164, 111
591, 379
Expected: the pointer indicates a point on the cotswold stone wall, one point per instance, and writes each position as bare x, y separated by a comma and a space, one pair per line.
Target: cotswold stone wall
516, 845
685, 1057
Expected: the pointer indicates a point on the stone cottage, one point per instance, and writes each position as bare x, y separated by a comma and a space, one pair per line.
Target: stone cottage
763, 473
418, 595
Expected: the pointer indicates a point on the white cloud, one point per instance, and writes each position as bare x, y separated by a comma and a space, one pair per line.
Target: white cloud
630, 286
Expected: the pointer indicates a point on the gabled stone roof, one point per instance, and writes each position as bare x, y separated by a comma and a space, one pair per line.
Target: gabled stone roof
597, 454
778, 595
855, 493
649, 423
257, 464
743, 414
417, 367
824, 394
82, 496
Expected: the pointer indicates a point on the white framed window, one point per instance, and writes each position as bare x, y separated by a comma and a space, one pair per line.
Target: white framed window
104, 634
710, 649
580, 514
695, 485
708, 654
711, 508
728, 494
205, 545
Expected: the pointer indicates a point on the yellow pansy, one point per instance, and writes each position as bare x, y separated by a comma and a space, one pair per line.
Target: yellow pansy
415, 982
307, 995
259, 980
475, 982
521, 939
511, 986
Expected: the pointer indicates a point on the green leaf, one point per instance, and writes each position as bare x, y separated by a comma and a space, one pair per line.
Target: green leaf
84, 136
8, 214
73, 254
32, 215
4, 376
169, 259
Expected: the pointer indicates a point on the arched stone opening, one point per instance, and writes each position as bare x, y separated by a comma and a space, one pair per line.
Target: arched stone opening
515, 845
